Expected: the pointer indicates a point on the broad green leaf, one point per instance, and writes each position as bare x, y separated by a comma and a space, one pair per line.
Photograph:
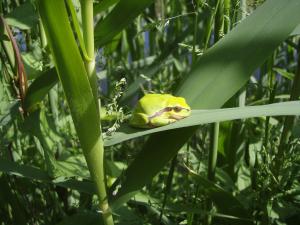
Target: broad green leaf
209, 116
73, 167
216, 77
81, 186
23, 170
103, 5
37, 174
118, 19
23, 17
40, 88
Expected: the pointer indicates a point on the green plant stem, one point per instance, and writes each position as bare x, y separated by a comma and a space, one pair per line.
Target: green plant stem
88, 37
195, 32
42, 34
219, 20
272, 94
227, 24
209, 25
237, 127
212, 157
243, 10
212, 163
213, 153
77, 88
168, 186
289, 121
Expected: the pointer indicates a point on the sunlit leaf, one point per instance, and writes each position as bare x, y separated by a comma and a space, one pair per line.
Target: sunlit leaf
199, 117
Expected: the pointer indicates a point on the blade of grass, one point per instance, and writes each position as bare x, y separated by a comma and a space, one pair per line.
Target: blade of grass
199, 117
37, 174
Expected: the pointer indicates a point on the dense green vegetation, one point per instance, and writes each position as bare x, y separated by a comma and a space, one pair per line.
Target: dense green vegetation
71, 73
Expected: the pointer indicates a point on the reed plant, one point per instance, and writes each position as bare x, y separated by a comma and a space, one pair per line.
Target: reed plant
71, 73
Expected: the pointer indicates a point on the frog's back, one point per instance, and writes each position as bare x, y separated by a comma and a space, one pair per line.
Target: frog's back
150, 103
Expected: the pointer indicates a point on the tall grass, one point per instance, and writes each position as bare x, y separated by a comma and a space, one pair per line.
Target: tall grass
67, 153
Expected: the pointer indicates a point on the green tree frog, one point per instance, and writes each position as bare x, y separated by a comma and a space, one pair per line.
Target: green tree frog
155, 110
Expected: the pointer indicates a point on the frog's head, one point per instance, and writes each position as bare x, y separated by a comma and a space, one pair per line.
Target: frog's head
178, 108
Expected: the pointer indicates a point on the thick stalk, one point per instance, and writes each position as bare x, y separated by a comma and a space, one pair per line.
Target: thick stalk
88, 37
77, 87
213, 151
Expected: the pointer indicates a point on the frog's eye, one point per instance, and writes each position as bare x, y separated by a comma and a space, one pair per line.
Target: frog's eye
177, 109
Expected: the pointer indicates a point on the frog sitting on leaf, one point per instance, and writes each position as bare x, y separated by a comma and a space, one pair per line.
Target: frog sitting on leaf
155, 110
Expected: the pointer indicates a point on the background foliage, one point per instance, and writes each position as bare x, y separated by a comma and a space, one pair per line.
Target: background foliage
242, 56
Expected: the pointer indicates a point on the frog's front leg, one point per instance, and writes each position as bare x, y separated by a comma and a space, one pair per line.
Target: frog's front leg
140, 120
160, 121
